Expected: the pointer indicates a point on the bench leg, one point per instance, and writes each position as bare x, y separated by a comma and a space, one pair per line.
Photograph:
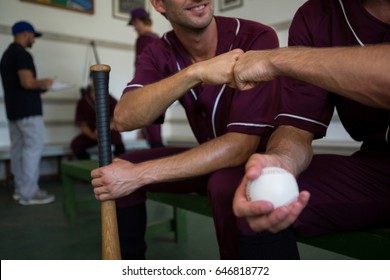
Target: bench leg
59, 162
69, 197
8, 173
179, 224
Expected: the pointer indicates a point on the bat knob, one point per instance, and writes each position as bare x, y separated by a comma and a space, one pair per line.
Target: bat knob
100, 67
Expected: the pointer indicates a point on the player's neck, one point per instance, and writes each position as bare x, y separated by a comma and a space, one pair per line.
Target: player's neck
200, 45
21, 41
146, 29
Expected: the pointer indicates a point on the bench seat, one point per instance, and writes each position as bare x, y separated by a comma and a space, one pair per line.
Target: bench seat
367, 244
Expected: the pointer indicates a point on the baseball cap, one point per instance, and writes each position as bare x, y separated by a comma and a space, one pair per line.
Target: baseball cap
22, 26
137, 13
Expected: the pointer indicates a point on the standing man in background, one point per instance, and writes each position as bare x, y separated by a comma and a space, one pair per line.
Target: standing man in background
22, 96
142, 23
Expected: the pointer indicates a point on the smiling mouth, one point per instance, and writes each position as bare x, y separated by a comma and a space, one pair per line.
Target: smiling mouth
198, 8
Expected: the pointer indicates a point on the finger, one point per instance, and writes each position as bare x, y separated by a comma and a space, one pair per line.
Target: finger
304, 197
96, 173
253, 167
243, 86
281, 217
240, 203
95, 183
237, 53
102, 197
245, 208
294, 210
268, 221
253, 208
98, 187
232, 84
288, 220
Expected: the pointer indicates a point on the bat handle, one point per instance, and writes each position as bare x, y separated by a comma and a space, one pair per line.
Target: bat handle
110, 236
100, 76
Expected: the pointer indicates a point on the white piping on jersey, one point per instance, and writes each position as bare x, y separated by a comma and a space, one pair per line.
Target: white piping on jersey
192, 90
223, 87
250, 124
350, 26
238, 26
134, 85
237, 30
166, 39
301, 118
215, 109
387, 134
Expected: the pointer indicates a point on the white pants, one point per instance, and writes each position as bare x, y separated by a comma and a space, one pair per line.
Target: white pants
27, 141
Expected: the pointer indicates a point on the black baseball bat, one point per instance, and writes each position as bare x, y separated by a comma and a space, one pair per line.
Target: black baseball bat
110, 237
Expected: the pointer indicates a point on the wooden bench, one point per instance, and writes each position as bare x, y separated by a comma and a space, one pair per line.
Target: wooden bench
370, 244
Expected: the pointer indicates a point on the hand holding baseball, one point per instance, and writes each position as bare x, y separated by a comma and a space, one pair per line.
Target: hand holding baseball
262, 214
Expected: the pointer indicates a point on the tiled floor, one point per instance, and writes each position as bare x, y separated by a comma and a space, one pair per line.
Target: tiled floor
43, 232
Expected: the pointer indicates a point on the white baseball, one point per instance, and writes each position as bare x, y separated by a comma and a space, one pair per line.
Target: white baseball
275, 185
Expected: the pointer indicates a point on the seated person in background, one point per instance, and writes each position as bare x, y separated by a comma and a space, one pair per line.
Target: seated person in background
346, 192
86, 119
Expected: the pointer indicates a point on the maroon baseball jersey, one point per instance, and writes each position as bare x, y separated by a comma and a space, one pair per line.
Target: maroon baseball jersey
85, 110
327, 23
215, 110
142, 41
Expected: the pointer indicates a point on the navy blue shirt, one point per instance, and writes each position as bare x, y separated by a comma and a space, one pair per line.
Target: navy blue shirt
19, 102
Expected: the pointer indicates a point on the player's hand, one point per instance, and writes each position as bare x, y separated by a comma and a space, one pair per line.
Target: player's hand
218, 70
253, 68
47, 83
115, 180
261, 215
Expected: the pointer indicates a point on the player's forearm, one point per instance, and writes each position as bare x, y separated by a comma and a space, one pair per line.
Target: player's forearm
361, 74
143, 106
35, 84
293, 147
232, 149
